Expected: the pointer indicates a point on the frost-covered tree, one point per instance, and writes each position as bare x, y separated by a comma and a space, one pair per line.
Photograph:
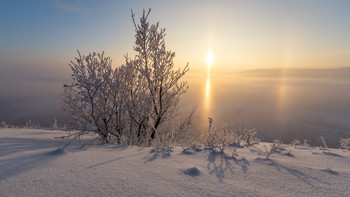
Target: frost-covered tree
130, 103
88, 97
132, 98
155, 63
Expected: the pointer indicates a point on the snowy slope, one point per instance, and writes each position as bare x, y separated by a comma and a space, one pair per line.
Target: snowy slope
30, 165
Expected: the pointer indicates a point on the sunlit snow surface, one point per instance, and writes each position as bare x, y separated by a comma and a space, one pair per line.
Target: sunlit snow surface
31, 165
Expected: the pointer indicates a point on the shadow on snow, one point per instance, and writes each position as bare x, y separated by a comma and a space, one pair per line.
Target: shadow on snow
219, 163
26, 160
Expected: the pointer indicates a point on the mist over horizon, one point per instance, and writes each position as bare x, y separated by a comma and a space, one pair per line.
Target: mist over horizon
300, 105
312, 106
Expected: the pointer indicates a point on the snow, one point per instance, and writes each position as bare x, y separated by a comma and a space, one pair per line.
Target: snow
31, 165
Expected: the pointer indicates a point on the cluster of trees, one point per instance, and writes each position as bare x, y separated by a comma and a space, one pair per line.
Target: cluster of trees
134, 103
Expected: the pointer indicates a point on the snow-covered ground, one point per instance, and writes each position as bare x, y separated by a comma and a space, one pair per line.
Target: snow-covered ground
30, 165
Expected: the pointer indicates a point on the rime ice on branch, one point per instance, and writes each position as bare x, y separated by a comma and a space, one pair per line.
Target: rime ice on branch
134, 103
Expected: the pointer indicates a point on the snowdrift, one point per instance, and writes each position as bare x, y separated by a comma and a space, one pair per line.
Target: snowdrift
32, 165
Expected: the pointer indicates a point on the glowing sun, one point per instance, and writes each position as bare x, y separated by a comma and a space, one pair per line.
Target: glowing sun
209, 58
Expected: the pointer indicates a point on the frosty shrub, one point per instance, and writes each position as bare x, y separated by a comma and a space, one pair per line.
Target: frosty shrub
55, 124
295, 143
3, 124
222, 138
275, 147
249, 137
32, 125
324, 144
183, 132
305, 144
226, 138
345, 144
134, 103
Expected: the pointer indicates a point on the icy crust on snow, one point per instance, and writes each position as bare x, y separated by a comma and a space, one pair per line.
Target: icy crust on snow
31, 165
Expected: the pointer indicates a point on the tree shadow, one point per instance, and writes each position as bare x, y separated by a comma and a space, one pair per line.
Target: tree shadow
219, 163
332, 154
297, 173
191, 151
25, 161
113, 160
256, 151
12, 145
330, 171
104, 146
187, 152
155, 154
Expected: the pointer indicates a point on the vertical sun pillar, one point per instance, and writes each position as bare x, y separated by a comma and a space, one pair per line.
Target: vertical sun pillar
209, 60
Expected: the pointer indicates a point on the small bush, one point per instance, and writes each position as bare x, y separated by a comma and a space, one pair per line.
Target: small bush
275, 147
55, 124
249, 137
324, 144
295, 143
3, 124
32, 125
223, 138
345, 144
305, 144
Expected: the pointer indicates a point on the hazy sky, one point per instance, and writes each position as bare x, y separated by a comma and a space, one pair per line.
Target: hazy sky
241, 34
38, 38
